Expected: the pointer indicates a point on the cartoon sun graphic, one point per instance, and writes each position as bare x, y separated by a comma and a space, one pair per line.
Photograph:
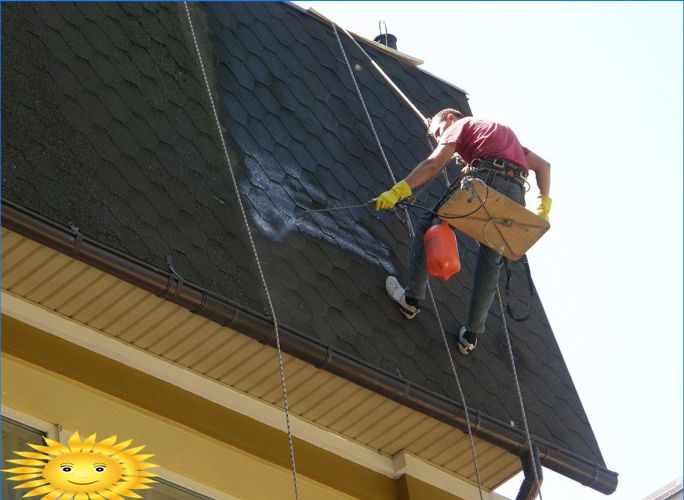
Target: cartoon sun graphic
83, 470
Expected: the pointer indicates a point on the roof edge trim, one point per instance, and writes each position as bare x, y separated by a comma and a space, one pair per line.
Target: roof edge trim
260, 327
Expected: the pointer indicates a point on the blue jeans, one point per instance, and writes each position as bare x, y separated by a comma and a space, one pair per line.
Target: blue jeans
489, 262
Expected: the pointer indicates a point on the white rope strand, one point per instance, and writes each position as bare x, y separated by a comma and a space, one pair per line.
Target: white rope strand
363, 103
460, 390
517, 382
254, 251
387, 78
410, 228
528, 437
370, 120
425, 121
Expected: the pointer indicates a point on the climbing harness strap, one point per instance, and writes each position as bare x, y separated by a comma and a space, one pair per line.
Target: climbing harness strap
498, 167
254, 251
411, 232
501, 164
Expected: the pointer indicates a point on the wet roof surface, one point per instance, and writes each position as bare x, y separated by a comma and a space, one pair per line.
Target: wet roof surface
107, 125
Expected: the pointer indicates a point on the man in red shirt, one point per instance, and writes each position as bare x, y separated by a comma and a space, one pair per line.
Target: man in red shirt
495, 156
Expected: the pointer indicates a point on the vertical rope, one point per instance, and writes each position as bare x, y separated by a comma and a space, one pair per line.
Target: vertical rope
254, 251
387, 78
528, 437
460, 391
510, 348
370, 120
410, 228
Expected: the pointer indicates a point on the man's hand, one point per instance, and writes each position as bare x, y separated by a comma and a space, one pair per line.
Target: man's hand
544, 207
390, 198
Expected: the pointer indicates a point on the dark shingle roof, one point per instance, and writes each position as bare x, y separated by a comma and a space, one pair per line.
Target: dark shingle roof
107, 125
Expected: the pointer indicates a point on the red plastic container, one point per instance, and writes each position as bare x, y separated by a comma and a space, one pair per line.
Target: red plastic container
441, 251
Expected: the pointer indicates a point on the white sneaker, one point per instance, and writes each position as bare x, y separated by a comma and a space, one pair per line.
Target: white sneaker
467, 341
397, 294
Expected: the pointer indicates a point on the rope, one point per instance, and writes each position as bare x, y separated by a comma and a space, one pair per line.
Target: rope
370, 120
510, 348
363, 102
387, 78
405, 203
410, 228
528, 437
426, 121
254, 251
460, 389
330, 209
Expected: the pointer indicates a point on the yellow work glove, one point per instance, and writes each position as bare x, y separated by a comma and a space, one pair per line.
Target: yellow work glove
544, 207
390, 198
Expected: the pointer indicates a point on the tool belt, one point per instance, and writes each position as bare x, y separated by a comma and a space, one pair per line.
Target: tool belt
499, 166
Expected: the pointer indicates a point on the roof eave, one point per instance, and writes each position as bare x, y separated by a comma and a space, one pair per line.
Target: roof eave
260, 327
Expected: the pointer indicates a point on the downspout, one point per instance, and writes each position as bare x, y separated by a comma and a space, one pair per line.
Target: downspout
531, 485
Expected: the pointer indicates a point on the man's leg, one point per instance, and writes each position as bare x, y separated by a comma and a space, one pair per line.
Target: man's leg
408, 300
417, 269
484, 287
486, 278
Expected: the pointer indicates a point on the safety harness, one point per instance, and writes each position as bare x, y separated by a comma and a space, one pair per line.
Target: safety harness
500, 167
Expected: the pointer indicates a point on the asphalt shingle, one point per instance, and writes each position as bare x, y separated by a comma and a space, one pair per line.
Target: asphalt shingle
115, 133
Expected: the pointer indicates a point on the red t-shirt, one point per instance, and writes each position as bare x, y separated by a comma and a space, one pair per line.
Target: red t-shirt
479, 138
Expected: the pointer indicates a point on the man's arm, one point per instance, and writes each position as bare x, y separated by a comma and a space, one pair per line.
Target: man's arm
431, 166
423, 172
542, 172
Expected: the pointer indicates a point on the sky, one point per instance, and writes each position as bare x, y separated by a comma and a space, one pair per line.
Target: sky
596, 89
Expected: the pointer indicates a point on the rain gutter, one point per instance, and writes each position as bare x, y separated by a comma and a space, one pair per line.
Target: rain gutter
258, 326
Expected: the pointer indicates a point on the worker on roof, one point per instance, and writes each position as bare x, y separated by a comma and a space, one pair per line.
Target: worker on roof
494, 155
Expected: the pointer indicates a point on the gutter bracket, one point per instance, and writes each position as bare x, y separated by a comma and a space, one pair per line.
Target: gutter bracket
78, 240
172, 275
326, 358
200, 307
476, 427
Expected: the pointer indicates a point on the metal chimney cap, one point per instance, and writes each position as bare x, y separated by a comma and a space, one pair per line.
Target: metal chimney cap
387, 39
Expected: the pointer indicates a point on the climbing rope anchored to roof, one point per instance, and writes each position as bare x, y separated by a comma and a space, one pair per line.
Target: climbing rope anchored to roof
410, 229
254, 251
426, 123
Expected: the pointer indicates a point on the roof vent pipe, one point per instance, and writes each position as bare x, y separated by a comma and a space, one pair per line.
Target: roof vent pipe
529, 489
387, 39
